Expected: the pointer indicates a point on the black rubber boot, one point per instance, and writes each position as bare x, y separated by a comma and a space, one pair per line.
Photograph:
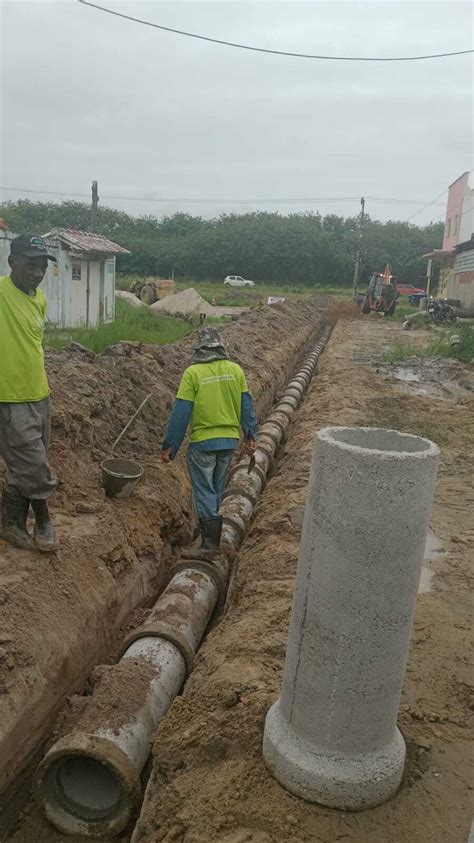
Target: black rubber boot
211, 529
45, 538
14, 514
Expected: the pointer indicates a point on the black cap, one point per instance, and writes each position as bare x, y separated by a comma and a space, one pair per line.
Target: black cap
30, 246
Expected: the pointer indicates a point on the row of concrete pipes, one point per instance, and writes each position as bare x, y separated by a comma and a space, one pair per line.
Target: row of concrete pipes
89, 782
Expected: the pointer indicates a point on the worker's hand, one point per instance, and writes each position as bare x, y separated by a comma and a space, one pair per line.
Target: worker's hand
250, 447
166, 455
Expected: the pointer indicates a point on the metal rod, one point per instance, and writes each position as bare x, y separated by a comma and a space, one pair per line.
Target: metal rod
130, 422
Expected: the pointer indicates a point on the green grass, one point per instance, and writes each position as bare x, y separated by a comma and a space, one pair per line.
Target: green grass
402, 312
246, 296
439, 346
132, 324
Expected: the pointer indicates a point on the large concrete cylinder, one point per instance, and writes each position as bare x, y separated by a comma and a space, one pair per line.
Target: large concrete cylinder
332, 736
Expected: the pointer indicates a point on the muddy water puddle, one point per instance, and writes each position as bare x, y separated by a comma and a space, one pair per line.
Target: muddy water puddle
431, 378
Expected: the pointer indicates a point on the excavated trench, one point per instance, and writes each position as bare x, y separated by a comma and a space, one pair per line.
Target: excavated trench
116, 556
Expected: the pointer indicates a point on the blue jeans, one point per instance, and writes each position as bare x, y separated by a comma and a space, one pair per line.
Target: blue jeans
208, 473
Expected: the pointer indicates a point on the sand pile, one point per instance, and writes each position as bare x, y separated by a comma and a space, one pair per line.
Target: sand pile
129, 297
187, 303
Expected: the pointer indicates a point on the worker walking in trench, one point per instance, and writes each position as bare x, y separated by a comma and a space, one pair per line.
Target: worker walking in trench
25, 412
213, 395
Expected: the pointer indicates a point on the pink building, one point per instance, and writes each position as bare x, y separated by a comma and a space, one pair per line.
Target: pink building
456, 278
454, 211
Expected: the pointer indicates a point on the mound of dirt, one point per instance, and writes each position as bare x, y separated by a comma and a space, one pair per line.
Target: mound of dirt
187, 303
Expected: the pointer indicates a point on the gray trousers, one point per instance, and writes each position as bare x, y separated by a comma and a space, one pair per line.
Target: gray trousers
25, 431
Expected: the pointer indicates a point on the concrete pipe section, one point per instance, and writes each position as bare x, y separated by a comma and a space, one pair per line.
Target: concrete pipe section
332, 736
89, 782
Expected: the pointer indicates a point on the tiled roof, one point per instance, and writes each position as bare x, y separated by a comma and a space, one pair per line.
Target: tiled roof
86, 241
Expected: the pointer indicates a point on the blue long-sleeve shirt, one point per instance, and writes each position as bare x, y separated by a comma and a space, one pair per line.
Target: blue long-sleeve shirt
181, 416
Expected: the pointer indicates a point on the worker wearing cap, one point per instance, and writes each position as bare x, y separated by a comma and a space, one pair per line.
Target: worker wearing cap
25, 414
213, 395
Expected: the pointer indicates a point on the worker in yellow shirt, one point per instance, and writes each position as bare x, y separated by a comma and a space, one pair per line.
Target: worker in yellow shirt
25, 412
213, 397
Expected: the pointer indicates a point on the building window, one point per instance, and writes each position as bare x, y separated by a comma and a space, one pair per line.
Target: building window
455, 227
448, 228
76, 272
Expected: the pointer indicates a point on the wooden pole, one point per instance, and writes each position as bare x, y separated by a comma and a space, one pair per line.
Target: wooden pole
357, 260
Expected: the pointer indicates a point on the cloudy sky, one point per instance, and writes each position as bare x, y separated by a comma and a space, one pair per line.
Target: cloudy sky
154, 115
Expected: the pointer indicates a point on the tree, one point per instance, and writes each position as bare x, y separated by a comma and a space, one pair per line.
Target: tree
303, 248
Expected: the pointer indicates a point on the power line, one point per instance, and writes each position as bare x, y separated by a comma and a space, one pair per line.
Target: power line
223, 200
428, 204
434, 201
272, 52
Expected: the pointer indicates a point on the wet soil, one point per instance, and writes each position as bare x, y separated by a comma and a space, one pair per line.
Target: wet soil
209, 782
61, 614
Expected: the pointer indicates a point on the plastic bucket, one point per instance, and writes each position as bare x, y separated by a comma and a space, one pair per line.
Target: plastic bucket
120, 477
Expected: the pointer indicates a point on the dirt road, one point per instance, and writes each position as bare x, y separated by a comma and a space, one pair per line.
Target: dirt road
209, 782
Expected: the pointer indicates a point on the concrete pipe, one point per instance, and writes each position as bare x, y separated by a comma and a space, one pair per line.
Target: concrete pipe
295, 393
181, 613
232, 536
275, 429
241, 481
240, 505
332, 736
275, 417
289, 399
218, 570
301, 381
297, 390
262, 460
285, 409
89, 781
267, 444
297, 382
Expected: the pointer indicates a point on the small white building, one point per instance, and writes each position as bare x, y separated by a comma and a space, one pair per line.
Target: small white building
80, 287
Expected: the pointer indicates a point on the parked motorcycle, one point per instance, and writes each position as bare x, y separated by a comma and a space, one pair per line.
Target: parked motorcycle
441, 312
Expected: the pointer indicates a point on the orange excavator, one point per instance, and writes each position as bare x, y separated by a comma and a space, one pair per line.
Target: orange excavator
381, 294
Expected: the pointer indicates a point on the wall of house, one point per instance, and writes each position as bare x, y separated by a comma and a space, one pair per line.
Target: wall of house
109, 290
454, 211
53, 288
446, 277
462, 284
466, 228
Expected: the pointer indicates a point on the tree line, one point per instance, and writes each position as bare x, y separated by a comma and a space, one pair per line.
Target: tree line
300, 248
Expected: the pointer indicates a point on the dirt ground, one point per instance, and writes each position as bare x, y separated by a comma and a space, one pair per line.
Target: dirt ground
61, 614
209, 782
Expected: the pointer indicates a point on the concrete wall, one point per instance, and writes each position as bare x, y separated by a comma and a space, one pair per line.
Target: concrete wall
461, 285
466, 228
454, 211
109, 290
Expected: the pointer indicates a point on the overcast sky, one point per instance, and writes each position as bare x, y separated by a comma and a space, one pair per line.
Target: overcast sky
151, 114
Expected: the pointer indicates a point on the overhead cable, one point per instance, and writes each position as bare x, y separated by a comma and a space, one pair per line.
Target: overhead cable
221, 201
428, 205
264, 49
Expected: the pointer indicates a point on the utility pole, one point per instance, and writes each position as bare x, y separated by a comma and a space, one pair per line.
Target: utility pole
95, 202
357, 261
